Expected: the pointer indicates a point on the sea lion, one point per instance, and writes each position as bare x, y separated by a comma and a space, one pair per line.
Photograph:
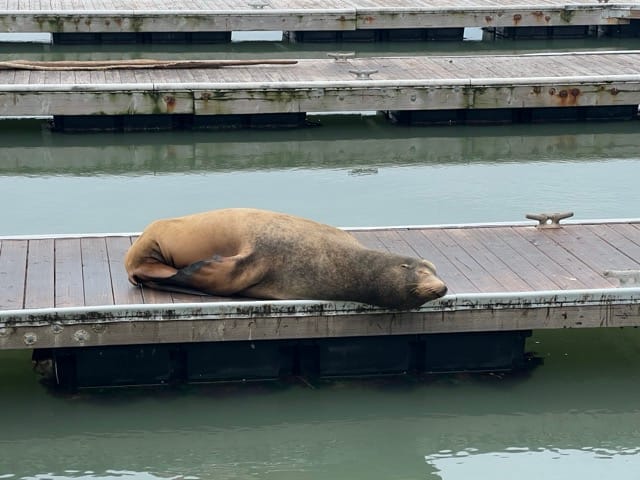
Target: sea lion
269, 255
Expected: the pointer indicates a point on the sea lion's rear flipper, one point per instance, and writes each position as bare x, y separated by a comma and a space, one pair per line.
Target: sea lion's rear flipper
165, 277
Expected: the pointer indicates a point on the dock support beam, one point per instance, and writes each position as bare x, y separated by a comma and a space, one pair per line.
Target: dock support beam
65, 38
378, 35
166, 364
497, 116
162, 122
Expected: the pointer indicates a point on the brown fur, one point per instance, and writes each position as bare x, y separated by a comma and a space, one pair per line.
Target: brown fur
261, 254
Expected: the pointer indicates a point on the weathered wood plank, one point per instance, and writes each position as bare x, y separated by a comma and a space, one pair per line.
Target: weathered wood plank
297, 15
371, 240
39, 285
13, 262
493, 264
95, 272
203, 327
493, 239
455, 279
520, 241
631, 232
568, 253
414, 83
615, 236
123, 291
592, 251
69, 285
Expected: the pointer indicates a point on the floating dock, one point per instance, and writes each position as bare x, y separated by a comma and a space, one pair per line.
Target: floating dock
115, 21
499, 277
69, 295
472, 89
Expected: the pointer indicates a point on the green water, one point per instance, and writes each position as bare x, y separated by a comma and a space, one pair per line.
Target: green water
577, 416
350, 171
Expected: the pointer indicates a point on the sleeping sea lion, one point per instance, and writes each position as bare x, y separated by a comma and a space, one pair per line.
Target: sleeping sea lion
268, 255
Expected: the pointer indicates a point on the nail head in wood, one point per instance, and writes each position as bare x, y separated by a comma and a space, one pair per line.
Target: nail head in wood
549, 220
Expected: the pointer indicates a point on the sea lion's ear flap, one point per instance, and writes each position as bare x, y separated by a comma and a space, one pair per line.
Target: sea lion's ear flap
148, 272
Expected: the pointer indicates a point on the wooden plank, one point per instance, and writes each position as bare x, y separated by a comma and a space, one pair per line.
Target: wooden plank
493, 264
570, 259
151, 295
519, 240
493, 239
13, 266
630, 231
370, 240
179, 326
456, 281
69, 288
123, 291
434, 83
615, 237
39, 286
592, 251
395, 243
95, 272
466, 264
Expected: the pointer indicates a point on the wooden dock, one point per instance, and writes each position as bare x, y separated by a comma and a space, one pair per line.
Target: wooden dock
490, 88
72, 291
357, 16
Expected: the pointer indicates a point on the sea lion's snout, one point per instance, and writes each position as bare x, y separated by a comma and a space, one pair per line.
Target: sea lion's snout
429, 285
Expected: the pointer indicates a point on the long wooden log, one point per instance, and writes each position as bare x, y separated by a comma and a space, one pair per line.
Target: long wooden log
133, 64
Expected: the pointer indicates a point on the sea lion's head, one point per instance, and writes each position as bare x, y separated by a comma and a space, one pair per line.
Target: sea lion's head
424, 283
409, 283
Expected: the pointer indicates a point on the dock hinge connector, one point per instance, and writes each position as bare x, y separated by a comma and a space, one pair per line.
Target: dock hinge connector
627, 278
549, 220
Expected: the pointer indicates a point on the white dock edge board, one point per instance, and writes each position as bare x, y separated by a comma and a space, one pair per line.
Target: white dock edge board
347, 15
520, 223
271, 320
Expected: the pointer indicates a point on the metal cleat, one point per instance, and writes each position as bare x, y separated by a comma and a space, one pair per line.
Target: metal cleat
549, 220
363, 74
341, 57
258, 5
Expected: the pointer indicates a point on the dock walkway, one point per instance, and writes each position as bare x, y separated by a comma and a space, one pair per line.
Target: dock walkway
73, 291
118, 16
478, 83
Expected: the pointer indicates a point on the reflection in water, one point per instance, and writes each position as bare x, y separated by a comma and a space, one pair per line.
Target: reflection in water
271, 49
583, 403
587, 463
120, 182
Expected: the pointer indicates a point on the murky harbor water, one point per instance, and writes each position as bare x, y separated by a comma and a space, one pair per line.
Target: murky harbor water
577, 416
350, 172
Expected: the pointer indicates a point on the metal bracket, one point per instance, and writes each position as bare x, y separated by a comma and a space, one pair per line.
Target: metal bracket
363, 74
258, 5
549, 220
341, 57
627, 278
